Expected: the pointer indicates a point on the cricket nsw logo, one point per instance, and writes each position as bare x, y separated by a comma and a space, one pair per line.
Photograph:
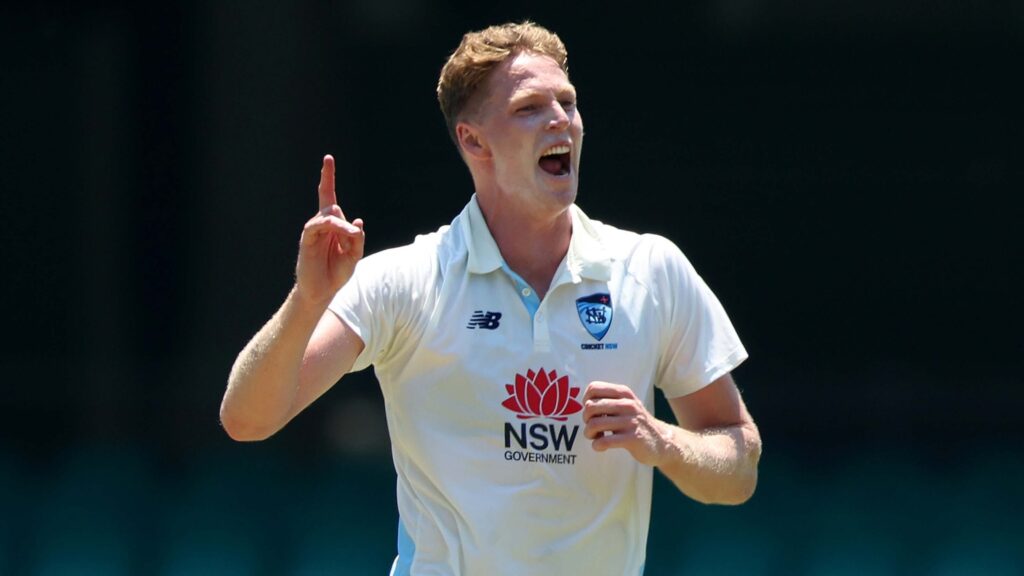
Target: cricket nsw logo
542, 395
595, 313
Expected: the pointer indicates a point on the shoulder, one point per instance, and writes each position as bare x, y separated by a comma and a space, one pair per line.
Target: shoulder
424, 249
621, 244
658, 252
419, 257
658, 264
650, 260
638, 251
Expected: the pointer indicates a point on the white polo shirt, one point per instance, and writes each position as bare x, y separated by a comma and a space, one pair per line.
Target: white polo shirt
483, 382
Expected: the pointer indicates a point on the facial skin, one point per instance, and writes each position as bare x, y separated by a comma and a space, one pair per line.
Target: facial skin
530, 107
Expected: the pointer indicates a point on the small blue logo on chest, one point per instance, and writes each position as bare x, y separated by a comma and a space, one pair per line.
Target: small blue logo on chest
595, 313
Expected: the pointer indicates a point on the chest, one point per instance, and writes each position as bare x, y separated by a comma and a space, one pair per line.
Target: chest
497, 352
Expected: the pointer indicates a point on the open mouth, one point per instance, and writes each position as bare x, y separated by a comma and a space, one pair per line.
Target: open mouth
556, 160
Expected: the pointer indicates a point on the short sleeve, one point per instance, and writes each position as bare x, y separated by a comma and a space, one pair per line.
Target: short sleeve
699, 342
365, 291
385, 300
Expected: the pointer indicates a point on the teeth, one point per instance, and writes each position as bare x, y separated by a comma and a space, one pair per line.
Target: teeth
561, 149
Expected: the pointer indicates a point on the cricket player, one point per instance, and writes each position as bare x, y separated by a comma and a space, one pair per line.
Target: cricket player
518, 348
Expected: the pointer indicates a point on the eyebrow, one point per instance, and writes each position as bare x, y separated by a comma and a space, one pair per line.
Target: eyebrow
527, 93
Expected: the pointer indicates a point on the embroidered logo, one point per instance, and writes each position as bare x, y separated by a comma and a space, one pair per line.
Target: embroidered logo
484, 320
542, 395
595, 313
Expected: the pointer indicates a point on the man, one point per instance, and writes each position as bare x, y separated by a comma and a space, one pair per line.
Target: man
498, 338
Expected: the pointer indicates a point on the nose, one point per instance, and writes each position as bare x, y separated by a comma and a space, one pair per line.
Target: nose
560, 120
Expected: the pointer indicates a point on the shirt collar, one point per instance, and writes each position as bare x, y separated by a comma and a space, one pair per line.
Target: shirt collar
484, 255
587, 257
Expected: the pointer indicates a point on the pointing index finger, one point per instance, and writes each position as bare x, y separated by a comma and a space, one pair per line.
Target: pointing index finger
326, 188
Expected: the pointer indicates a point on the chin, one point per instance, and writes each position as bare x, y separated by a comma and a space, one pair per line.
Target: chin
564, 196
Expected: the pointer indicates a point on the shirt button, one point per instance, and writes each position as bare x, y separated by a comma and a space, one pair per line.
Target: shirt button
527, 292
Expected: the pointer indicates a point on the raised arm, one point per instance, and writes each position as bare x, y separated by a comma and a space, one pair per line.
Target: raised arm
711, 455
303, 349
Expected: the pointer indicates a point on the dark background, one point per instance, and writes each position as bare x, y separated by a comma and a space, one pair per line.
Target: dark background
842, 174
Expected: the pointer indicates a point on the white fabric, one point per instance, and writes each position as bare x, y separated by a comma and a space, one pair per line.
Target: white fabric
487, 482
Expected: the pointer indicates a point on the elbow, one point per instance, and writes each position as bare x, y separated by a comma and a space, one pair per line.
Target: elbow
738, 490
745, 480
741, 492
739, 486
242, 429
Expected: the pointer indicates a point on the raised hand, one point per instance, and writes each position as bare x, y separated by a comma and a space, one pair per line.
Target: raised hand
330, 245
614, 417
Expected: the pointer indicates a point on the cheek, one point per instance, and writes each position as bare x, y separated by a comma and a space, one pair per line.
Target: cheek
521, 154
514, 163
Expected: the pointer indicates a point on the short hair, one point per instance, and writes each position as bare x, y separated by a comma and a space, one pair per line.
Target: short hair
480, 52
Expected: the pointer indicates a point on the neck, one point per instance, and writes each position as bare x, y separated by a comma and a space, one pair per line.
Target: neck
532, 244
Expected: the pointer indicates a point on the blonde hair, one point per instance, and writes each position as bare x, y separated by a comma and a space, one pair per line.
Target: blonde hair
468, 68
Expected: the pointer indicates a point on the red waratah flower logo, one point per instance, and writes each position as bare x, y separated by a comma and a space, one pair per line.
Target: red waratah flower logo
542, 395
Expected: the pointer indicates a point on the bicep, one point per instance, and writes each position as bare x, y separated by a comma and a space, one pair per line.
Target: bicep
331, 352
717, 405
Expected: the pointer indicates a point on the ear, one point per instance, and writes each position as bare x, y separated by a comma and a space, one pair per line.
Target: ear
471, 141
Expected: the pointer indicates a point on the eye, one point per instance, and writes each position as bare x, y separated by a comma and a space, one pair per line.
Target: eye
568, 104
526, 108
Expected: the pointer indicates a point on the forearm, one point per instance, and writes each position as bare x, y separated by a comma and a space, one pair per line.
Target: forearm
264, 380
716, 466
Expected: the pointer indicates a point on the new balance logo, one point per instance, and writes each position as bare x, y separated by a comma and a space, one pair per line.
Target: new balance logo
485, 320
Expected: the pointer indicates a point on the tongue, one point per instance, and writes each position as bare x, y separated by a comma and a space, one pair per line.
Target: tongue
551, 165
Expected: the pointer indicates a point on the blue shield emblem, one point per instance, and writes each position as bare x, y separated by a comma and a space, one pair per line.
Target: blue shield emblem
596, 313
